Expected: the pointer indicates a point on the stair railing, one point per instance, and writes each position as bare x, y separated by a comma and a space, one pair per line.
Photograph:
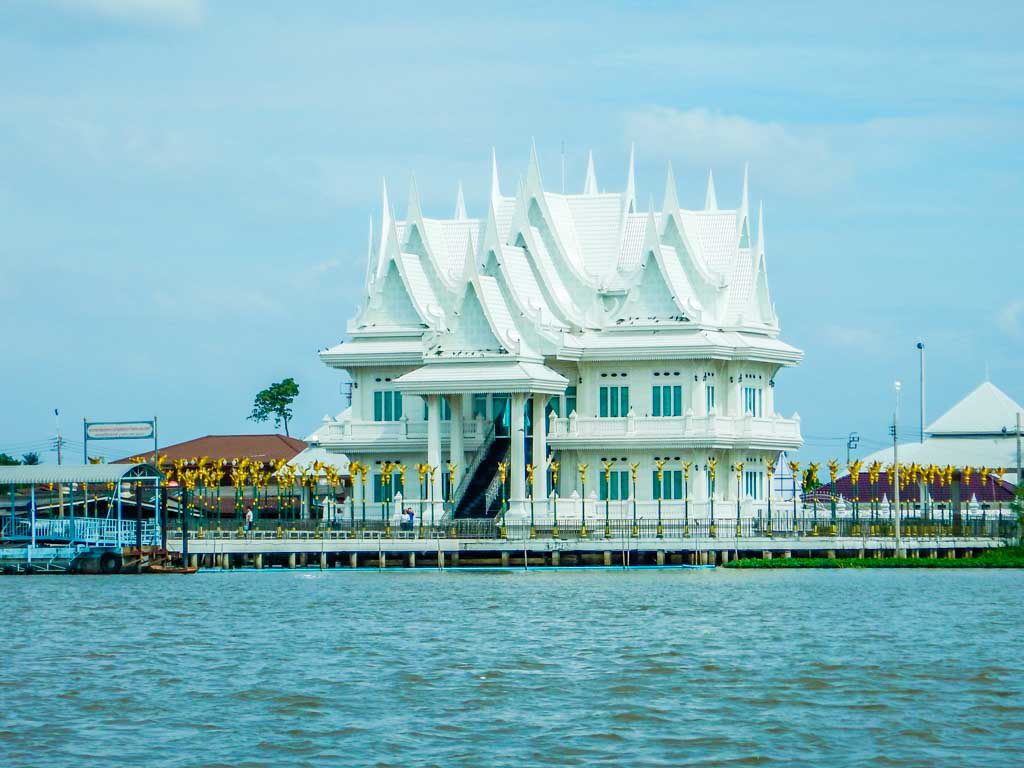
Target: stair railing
471, 469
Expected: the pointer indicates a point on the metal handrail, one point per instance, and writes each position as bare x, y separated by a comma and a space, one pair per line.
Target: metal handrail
471, 469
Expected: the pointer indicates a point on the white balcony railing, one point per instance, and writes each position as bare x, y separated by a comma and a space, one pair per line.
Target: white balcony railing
744, 429
343, 432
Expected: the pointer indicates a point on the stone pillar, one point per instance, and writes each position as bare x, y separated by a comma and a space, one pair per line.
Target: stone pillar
607, 559
303, 560
830, 554
555, 558
353, 559
193, 561
660, 557
440, 559
766, 554
455, 559
434, 444
323, 561
457, 455
412, 559
787, 555
259, 560
504, 559
540, 447
724, 556
517, 485
291, 559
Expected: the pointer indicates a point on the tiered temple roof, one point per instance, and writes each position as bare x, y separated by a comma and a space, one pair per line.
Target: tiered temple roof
548, 274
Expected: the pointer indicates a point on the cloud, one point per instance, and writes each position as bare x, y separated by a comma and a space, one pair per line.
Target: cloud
176, 12
1011, 318
807, 158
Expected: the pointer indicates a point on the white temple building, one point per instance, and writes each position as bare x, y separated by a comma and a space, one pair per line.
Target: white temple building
567, 328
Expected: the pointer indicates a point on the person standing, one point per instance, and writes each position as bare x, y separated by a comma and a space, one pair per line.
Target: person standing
248, 519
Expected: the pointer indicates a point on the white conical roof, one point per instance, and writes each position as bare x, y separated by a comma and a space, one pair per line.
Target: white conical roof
985, 411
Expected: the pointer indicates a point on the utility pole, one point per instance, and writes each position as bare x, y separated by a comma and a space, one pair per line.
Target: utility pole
1018, 478
60, 460
851, 444
920, 349
896, 470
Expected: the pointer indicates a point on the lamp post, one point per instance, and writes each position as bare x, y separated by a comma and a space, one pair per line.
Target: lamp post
582, 469
607, 467
554, 502
896, 469
920, 349
431, 471
421, 473
451, 491
769, 470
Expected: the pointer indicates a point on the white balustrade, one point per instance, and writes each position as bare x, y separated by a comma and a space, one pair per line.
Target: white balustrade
676, 427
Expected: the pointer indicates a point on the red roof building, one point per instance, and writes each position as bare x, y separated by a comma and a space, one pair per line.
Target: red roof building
266, 449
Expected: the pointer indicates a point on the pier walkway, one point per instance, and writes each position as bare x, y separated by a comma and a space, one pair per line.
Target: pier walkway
619, 544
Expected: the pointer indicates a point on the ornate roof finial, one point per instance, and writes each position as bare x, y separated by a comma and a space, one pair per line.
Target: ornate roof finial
710, 201
414, 213
629, 203
760, 228
671, 202
460, 205
495, 186
590, 185
534, 182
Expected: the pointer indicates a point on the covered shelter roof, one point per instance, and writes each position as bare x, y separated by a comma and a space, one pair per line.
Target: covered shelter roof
489, 376
39, 474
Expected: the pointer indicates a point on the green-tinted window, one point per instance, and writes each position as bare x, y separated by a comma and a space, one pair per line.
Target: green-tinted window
617, 489
613, 401
667, 400
387, 405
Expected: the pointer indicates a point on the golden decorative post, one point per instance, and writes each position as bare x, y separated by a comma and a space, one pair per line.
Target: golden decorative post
738, 469
833, 472
607, 467
769, 470
794, 467
712, 463
529, 479
502, 474
634, 470
554, 489
686, 497
660, 465
582, 469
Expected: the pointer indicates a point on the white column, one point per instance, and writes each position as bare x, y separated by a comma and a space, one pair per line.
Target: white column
769, 399
517, 489
458, 451
540, 446
434, 445
357, 399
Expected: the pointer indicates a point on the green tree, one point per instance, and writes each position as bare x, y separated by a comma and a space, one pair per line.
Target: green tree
31, 458
275, 402
8, 461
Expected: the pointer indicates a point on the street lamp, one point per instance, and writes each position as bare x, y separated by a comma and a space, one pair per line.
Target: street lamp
920, 349
896, 467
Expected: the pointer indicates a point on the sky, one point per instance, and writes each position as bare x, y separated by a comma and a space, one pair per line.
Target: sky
185, 185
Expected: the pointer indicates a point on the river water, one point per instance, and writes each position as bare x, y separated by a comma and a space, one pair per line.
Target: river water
667, 667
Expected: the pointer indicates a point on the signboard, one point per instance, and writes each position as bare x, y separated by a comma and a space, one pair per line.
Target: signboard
119, 430
116, 430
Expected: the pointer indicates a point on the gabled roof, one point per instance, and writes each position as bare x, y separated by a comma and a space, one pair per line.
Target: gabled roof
985, 411
265, 448
37, 474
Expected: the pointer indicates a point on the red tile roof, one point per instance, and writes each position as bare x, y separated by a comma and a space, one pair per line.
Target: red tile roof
994, 490
264, 448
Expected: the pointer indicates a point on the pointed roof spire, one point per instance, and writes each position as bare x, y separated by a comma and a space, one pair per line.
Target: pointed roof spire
760, 228
629, 203
533, 178
590, 185
495, 186
710, 200
414, 212
387, 226
371, 269
460, 205
671, 202
743, 217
